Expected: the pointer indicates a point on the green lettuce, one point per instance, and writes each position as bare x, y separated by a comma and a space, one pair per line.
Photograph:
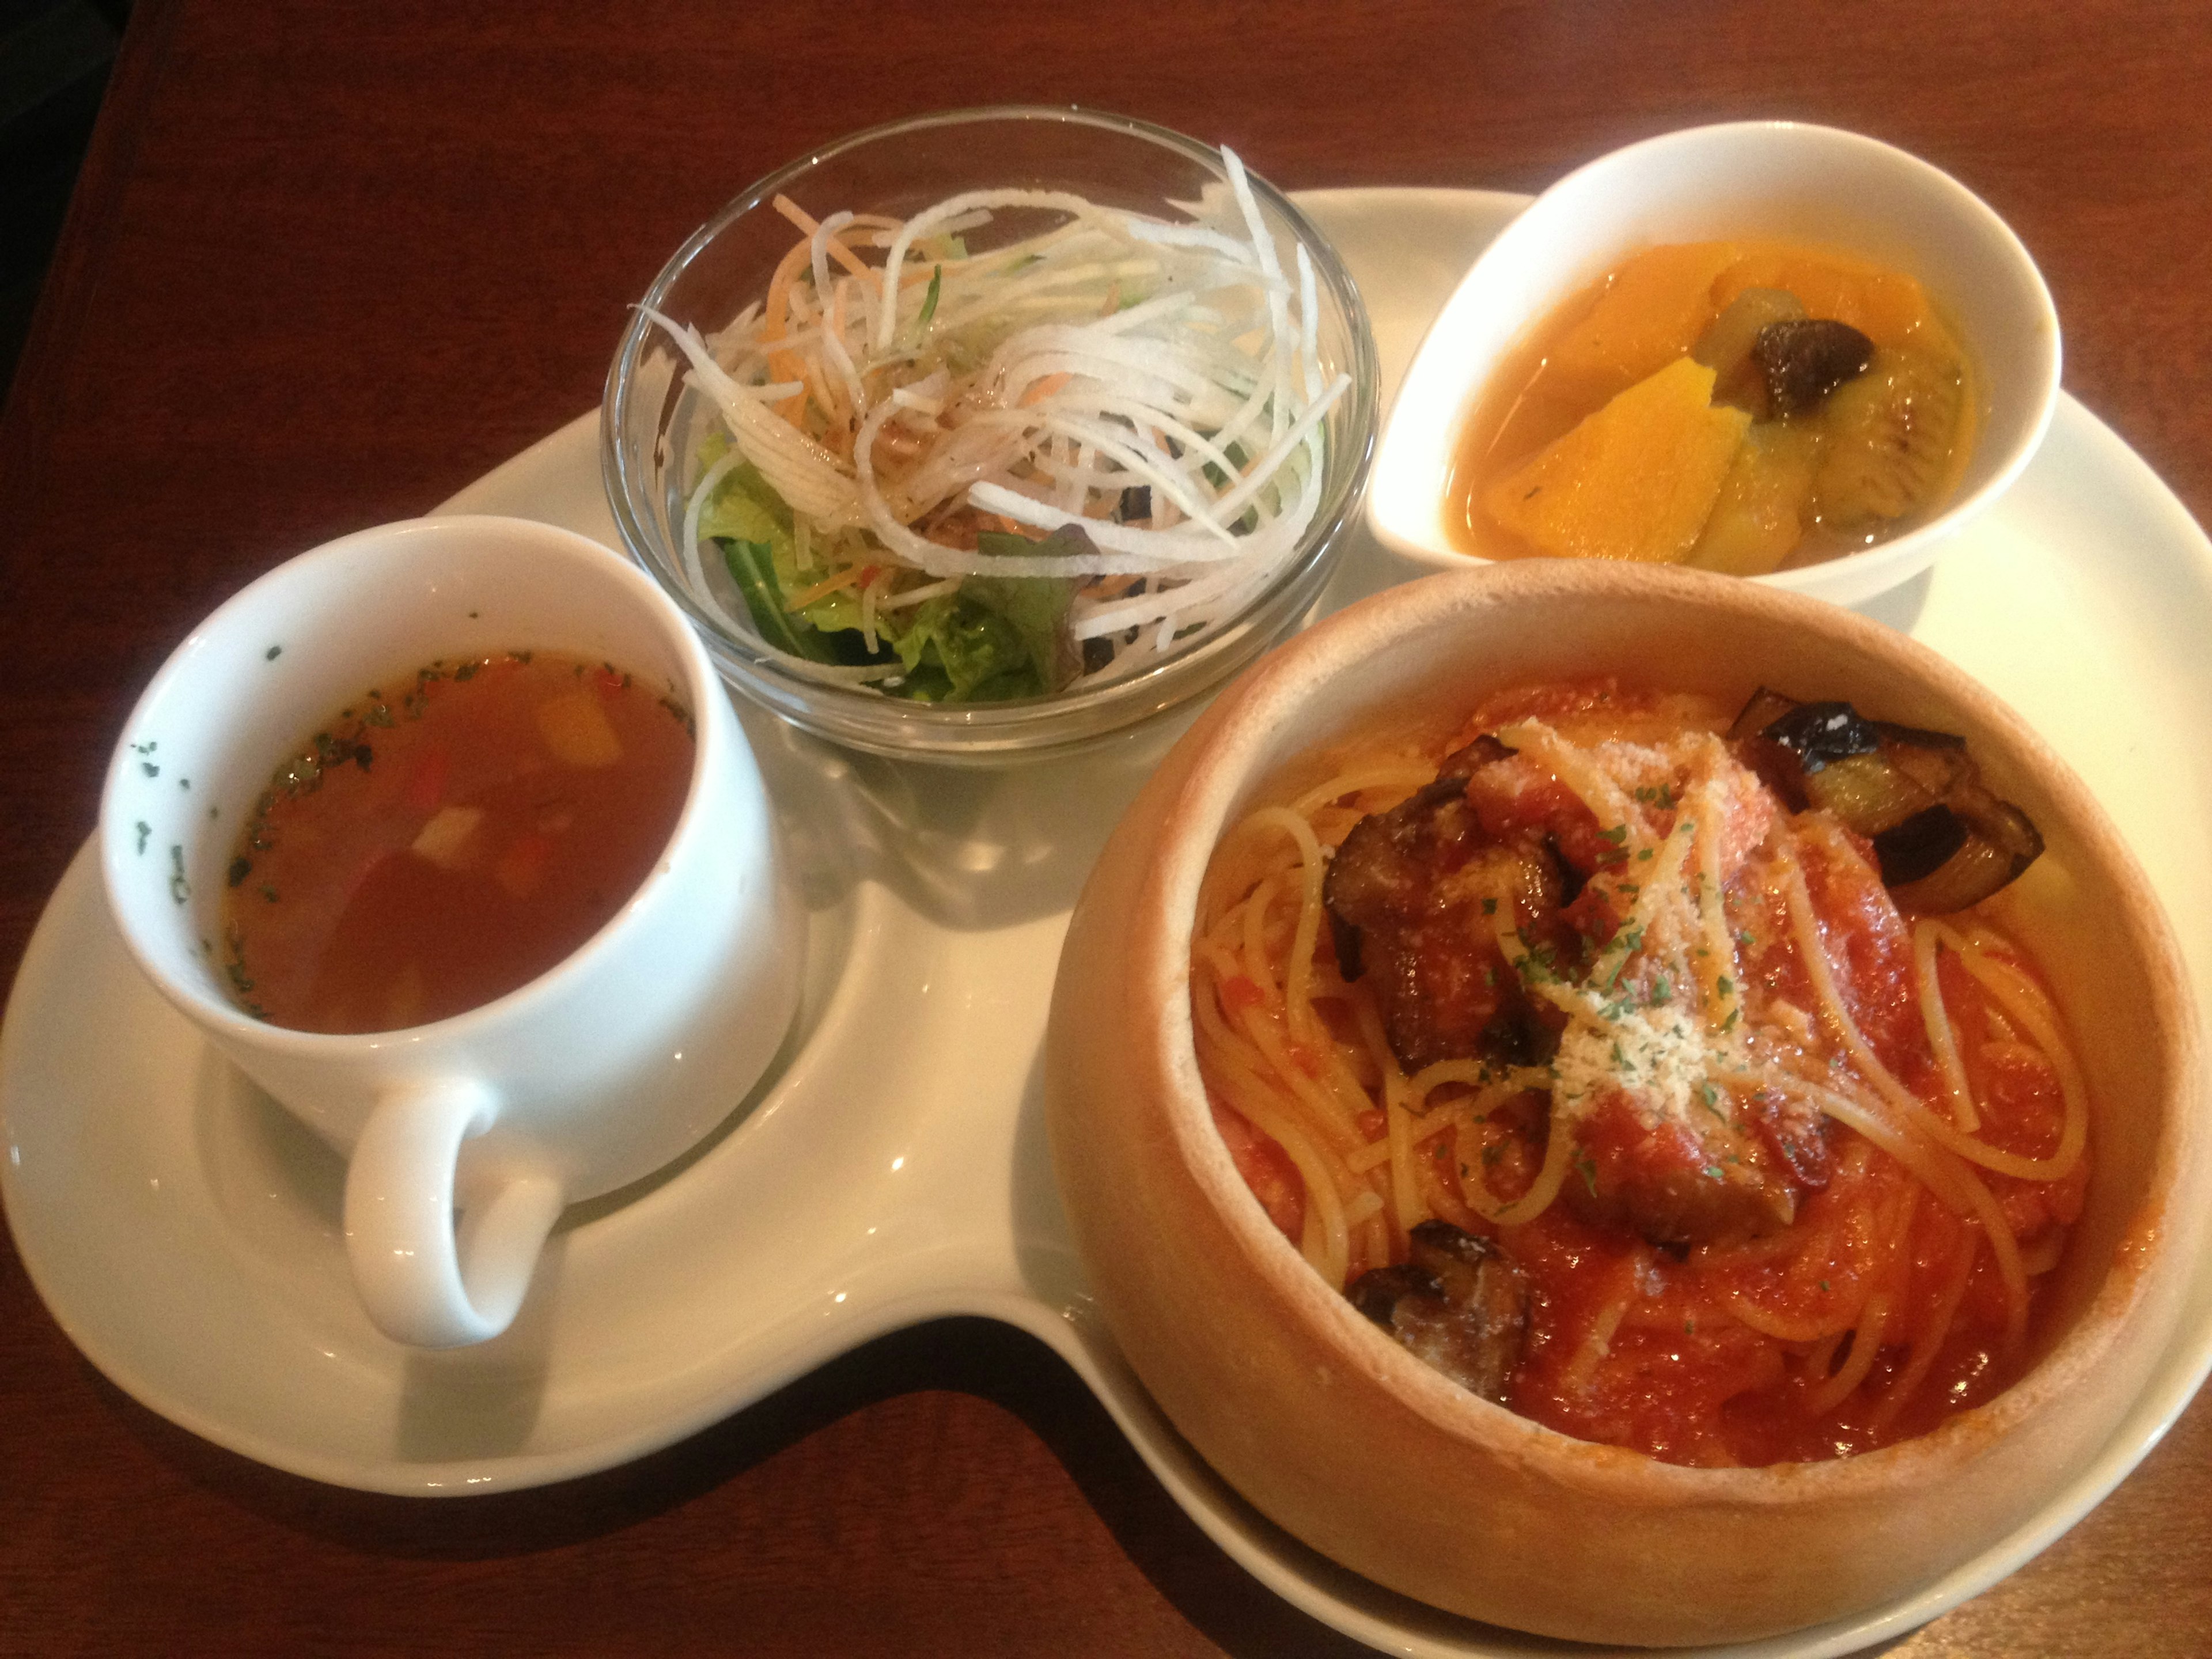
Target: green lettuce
996, 639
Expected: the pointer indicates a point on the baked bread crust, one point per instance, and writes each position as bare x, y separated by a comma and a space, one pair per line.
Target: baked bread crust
1360, 1449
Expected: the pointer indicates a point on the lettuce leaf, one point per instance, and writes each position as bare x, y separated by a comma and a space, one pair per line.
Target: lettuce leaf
995, 638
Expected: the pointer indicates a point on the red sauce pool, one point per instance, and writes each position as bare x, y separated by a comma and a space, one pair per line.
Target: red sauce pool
447, 838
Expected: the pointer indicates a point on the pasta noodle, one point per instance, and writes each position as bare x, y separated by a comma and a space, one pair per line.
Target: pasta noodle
1784, 1177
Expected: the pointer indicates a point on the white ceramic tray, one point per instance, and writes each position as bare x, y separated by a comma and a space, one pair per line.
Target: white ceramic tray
184, 1232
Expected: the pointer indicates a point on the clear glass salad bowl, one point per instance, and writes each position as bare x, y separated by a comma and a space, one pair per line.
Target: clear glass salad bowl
660, 435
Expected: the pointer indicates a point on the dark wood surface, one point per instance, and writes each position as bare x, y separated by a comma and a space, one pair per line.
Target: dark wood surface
327, 264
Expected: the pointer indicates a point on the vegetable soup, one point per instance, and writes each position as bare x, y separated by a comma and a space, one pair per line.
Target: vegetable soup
449, 836
1738, 406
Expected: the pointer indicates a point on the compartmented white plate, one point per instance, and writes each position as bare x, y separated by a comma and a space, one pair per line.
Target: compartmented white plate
184, 1230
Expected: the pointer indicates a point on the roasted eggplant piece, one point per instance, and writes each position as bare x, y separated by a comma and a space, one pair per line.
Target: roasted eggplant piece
1456, 1303
1917, 848
1404, 893
1999, 841
1944, 842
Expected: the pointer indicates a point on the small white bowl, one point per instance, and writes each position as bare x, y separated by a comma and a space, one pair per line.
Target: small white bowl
1775, 179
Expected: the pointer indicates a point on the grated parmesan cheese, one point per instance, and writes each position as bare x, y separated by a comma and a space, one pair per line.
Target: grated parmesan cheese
1653, 1023
1661, 1058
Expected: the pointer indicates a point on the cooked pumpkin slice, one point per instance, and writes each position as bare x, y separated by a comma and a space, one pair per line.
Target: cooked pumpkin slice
1654, 309
1637, 480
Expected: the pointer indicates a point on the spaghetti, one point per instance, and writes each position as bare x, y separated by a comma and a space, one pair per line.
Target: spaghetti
1593, 1034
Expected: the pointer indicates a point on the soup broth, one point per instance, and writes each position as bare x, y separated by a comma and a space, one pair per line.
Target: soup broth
448, 838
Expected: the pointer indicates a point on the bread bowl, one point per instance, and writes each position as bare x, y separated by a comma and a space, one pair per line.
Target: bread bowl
1361, 1450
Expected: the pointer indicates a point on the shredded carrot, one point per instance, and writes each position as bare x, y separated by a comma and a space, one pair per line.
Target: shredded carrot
776, 322
836, 250
1044, 388
823, 590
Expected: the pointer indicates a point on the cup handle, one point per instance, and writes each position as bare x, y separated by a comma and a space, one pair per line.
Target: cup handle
424, 1281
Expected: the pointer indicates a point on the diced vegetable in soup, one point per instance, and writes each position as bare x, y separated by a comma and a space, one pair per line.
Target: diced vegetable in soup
452, 835
1740, 406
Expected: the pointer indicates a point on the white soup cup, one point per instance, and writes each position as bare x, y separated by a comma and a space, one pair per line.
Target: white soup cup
465, 1137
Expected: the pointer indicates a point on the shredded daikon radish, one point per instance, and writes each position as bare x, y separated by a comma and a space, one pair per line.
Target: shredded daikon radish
1142, 398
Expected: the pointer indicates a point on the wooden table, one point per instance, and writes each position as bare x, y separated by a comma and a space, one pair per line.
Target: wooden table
323, 269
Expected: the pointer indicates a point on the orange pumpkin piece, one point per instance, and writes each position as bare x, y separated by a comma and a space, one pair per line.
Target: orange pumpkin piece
1888, 306
1653, 311
1636, 480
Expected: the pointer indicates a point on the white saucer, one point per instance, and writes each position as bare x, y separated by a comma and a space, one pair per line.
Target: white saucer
183, 1229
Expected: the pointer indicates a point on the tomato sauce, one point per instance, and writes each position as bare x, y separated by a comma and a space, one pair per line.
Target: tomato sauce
1681, 1376
1721, 1344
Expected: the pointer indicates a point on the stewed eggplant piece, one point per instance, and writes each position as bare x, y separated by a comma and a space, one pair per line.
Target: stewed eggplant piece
1943, 840
1457, 1303
1404, 894
1804, 360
